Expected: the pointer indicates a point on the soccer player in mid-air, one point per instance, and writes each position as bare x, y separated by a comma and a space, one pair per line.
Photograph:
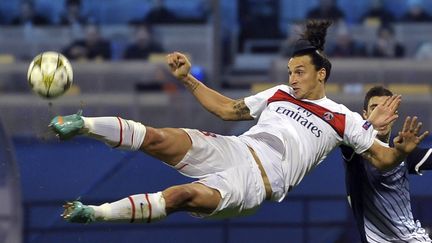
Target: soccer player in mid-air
380, 199
297, 127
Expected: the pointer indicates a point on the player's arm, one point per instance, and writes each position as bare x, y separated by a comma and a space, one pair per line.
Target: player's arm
385, 158
382, 157
216, 103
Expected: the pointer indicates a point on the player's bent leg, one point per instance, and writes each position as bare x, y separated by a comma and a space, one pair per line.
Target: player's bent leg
193, 197
76, 212
140, 208
146, 208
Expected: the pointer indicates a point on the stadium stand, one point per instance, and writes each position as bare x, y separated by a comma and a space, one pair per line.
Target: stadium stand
53, 172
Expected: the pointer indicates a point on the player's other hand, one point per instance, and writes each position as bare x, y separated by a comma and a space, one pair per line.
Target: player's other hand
408, 138
385, 113
179, 65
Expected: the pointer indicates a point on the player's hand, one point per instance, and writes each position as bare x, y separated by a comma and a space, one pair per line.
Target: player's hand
408, 138
385, 113
179, 65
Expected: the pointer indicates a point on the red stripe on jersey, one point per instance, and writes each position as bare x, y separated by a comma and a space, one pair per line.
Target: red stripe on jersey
121, 133
334, 119
133, 209
150, 208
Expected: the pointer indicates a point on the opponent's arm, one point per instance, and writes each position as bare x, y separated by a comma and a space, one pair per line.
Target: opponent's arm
347, 152
385, 158
216, 103
418, 160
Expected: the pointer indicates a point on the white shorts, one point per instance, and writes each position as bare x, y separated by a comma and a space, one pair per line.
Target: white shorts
225, 164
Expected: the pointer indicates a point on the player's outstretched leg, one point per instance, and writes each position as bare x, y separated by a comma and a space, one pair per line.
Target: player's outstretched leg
115, 131
146, 208
166, 144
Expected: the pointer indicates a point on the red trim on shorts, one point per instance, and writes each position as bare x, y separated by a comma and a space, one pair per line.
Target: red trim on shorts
334, 119
121, 133
150, 208
133, 209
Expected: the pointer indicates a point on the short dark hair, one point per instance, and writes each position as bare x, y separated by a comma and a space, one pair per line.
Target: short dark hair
373, 92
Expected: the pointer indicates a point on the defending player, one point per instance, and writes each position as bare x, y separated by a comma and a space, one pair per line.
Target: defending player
380, 199
297, 127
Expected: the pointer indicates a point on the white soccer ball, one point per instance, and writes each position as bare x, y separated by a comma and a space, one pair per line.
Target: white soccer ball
50, 74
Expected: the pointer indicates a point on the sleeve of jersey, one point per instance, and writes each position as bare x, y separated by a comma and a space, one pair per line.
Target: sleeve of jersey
359, 133
418, 160
258, 102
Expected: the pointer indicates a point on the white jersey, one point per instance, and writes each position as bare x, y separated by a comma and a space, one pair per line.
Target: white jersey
293, 136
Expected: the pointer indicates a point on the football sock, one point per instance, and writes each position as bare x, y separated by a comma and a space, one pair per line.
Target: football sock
140, 208
115, 131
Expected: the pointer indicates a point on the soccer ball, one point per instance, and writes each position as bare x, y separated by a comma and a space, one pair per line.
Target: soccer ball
50, 74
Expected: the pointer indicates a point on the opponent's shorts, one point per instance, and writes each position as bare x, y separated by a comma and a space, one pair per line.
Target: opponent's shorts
225, 164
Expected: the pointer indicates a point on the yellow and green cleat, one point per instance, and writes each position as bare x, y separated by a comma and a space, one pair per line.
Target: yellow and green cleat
76, 212
67, 127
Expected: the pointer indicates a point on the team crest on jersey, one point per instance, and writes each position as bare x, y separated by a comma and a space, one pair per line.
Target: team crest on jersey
328, 116
366, 125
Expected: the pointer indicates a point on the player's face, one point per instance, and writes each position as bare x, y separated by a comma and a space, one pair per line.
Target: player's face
304, 79
374, 102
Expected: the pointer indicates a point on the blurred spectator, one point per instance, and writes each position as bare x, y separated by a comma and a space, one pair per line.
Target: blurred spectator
415, 12
386, 44
424, 52
200, 13
160, 14
327, 9
259, 23
92, 47
204, 10
28, 15
72, 14
377, 14
345, 45
143, 44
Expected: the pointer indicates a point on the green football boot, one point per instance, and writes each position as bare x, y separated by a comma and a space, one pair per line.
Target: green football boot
76, 212
67, 127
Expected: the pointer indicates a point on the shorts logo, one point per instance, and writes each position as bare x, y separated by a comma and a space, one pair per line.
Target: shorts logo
366, 125
328, 116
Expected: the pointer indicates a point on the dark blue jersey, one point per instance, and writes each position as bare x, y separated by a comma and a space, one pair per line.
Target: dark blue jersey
419, 160
381, 200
